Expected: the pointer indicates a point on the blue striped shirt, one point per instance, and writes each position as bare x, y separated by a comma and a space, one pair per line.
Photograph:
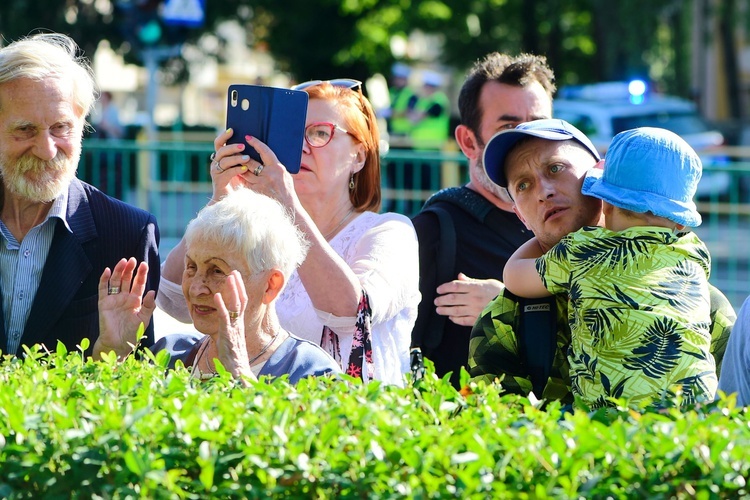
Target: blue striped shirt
21, 266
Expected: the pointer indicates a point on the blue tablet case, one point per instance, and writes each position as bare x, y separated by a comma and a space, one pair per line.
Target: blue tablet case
274, 115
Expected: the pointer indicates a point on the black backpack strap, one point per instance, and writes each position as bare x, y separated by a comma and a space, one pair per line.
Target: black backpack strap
469, 201
445, 260
477, 206
537, 339
445, 264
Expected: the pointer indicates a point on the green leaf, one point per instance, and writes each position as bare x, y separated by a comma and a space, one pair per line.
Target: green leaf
61, 350
134, 463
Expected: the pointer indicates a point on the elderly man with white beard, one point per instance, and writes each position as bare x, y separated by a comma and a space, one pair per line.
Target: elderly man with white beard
57, 233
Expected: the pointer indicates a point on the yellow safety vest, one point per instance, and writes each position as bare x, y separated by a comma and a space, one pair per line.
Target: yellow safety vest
432, 131
400, 123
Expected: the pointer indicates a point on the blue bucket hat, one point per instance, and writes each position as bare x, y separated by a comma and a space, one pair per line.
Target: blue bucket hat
649, 170
503, 142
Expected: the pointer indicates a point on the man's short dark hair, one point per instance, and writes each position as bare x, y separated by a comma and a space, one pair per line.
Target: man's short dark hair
521, 70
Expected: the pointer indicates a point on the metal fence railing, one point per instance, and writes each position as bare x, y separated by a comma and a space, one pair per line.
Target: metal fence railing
171, 180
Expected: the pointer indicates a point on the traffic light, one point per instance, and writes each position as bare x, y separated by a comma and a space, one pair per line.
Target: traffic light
140, 22
151, 23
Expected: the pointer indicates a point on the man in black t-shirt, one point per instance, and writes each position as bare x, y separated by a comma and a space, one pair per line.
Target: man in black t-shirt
476, 221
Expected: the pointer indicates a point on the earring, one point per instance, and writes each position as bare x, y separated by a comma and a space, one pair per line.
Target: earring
351, 181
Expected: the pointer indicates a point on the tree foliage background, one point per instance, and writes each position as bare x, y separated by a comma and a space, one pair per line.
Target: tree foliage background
584, 40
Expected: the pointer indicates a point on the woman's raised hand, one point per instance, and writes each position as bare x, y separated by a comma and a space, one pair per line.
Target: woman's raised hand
228, 163
230, 341
123, 307
230, 168
271, 177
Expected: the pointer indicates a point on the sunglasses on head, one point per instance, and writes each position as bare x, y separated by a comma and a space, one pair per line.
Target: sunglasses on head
346, 83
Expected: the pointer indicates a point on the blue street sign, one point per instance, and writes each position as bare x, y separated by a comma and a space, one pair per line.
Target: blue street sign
190, 13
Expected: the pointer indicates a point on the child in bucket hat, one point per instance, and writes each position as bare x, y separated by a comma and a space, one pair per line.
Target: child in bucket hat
639, 307
649, 170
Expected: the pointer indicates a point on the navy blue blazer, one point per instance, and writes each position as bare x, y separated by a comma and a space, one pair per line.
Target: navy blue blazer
104, 230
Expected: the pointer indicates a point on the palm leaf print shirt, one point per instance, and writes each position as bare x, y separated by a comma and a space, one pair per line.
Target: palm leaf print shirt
638, 311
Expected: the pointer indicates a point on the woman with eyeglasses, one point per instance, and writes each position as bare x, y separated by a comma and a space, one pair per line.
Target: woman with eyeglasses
356, 294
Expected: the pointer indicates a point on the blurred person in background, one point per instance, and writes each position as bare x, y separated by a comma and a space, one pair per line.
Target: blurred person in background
431, 114
58, 233
403, 100
462, 259
430, 126
106, 123
356, 293
106, 119
239, 255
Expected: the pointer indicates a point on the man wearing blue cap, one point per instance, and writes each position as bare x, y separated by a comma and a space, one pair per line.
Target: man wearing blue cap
544, 164
639, 305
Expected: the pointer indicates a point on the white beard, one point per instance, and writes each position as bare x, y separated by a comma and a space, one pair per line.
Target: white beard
36, 180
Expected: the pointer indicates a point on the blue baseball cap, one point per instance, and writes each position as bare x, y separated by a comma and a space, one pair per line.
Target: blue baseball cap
649, 170
502, 143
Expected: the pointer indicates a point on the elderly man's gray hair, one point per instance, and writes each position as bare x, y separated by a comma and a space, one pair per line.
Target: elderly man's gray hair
49, 55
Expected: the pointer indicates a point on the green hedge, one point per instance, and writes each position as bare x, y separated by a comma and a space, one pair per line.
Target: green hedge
70, 427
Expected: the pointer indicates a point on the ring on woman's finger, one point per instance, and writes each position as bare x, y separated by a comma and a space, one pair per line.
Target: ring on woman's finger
215, 165
113, 290
213, 156
258, 170
233, 315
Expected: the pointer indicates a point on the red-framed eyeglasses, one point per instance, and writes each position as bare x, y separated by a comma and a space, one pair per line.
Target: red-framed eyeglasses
319, 134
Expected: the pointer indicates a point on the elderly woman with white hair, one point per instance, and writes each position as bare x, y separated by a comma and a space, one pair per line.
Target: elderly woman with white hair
240, 253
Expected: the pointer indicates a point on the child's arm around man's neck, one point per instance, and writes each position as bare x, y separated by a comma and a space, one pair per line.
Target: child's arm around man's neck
520, 275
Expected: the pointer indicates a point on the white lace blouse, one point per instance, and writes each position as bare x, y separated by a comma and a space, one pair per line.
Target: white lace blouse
382, 251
